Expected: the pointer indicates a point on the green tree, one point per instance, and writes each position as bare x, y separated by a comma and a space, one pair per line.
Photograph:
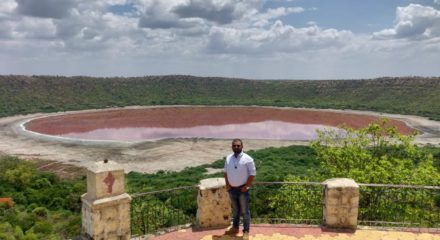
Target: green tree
6, 231
374, 154
377, 153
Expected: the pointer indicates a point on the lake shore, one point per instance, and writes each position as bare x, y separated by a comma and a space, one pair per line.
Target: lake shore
152, 156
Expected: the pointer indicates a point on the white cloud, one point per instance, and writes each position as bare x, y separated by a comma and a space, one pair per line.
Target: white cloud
437, 1
263, 19
211, 37
7, 7
413, 22
221, 12
279, 38
192, 13
36, 28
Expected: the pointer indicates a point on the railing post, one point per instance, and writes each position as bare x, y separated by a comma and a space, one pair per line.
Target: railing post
105, 206
213, 204
341, 203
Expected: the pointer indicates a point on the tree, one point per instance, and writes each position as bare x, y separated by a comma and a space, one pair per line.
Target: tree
374, 154
377, 153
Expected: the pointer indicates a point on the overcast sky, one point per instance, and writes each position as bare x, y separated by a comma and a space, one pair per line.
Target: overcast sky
256, 39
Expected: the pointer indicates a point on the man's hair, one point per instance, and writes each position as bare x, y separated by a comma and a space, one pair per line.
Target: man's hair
237, 140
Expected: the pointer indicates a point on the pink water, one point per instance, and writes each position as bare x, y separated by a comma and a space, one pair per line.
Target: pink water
276, 130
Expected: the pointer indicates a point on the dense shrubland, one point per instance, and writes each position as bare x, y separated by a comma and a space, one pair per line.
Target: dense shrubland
45, 207
374, 154
49, 208
30, 94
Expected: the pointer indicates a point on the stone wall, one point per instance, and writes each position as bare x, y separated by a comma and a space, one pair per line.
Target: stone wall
214, 205
106, 206
341, 203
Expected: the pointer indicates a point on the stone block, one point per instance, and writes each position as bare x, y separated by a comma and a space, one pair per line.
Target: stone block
341, 203
214, 206
332, 220
329, 201
333, 211
354, 201
352, 222
106, 218
105, 179
106, 206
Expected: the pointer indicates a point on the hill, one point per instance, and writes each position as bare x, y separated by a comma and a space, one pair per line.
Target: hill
30, 94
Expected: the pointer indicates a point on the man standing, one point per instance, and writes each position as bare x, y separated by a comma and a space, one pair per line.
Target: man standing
239, 173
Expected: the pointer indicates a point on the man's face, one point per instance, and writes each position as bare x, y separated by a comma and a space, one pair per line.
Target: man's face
237, 147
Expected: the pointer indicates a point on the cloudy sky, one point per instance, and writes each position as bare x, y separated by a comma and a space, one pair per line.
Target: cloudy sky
258, 39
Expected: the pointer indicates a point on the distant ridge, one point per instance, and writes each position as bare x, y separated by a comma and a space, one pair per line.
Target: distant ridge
404, 95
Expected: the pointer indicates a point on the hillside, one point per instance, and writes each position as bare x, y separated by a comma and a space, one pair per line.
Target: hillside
30, 94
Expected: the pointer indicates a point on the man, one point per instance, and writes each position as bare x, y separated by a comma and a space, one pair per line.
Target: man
239, 173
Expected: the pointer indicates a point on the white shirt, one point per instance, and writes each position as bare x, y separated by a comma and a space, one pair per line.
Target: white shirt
238, 169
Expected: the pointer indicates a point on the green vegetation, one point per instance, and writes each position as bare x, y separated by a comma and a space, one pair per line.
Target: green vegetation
375, 154
173, 208
273, 164
45, 207
410, 95
49, 208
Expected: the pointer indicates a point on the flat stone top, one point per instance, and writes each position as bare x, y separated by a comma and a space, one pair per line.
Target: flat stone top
211, 183
102, 166
341, 182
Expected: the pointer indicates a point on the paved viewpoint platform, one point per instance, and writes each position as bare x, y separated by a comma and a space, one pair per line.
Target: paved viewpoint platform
289, 232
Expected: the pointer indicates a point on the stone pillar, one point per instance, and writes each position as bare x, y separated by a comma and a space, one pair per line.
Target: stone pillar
341, 203
214, 205
106, 206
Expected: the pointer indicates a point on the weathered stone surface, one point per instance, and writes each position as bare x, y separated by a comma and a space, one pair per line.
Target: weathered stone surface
340, 183
341, 203
105, 180
214, 206
106, 206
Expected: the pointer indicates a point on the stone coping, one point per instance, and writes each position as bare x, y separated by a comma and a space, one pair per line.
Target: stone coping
212, 183
340, 182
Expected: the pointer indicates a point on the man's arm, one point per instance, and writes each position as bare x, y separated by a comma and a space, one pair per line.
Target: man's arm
227, 182
248, 183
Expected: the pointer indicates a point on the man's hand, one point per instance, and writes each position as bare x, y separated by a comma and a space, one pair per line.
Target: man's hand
244, 189
228, 187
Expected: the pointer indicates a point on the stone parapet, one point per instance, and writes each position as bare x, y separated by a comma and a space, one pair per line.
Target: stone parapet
106, 206
105, 179
107, 218
214, 205
341, 203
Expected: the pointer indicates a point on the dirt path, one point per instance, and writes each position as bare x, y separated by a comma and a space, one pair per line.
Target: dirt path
171, 154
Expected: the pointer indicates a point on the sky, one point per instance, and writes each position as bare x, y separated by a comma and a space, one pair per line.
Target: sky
253, 39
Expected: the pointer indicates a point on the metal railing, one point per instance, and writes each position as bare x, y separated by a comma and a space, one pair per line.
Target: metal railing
293, 202
287, 202
399, 206
271, 202
153, 211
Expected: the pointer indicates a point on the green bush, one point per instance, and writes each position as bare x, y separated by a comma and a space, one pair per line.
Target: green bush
374, 154
30, 236
41, 212
45, 206
43, 227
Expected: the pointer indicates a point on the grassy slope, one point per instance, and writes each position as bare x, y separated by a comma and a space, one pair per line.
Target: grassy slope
20, 94
273, 164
